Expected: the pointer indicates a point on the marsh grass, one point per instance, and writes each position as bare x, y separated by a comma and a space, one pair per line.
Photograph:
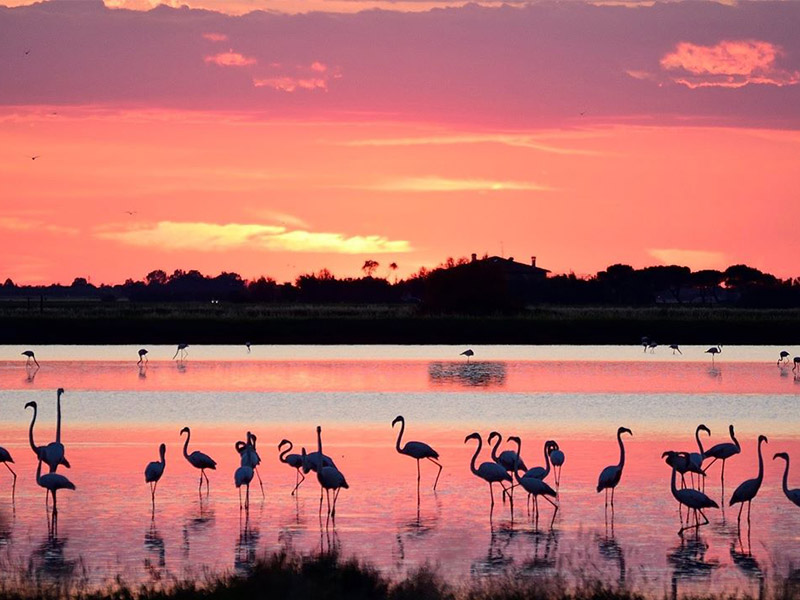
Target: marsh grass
328, 576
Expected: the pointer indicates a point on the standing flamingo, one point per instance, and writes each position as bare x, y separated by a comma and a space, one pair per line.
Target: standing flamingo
249, 456
508, 459
541, 472
490, 472
330, 478
5, 458
142, 356
242, 477
610, 476
792, 495
652, 345
557, 458
723, 451
40, 451
535, 488
53, 482
198, 460
153, 472
784, 357
316, 460
696, 458
416, 450
293, 460
713, 351
675, 348
31, 357
796, 364
468, 353
747, 490
182, 351
690, 498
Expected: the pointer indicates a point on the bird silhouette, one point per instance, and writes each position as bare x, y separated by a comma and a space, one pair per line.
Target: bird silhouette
784, 357
675, 348
34, 157
198, 460
330, 478
250, 458
611, 475
53, 482
792, 495
713, 351
417, 451
535, 488
508, 459
723, 452
696, 458
541, 472
316, 460
182, 351
490, 472
692, 499
468, 353
747, 490
130, 212
242, 477
557, 458
796, 365
5, 458
31, 357
41, 451
153, 472
142, 356
293, 460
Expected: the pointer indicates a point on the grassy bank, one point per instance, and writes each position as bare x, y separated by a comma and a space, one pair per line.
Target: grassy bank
327, 577
130, 323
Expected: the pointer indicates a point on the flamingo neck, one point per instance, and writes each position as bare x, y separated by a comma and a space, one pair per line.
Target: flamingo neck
472, 466
786, 477
496, 446
30, 431
284, 453
736, 442
546, 460
400, 435
673, 486
39, 473
760, 463
58, 418
621, 450
516, 461
319, 442
186, 443
163, 453
699, 443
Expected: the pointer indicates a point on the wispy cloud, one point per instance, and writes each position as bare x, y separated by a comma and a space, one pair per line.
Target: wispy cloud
215, 37
199, 236
506, 139
230, 59
315, 76
25, 224
444, 184
731, 64
696, 259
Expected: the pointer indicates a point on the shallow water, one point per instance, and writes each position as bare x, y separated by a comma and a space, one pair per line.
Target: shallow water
115, 415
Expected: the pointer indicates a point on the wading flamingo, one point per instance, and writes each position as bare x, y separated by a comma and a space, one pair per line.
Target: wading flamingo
40, 451
31, 357
507, 459
557, 458
723, 452
5, 458
490, 472
142, 356
691, 499
416, 450
242, 477
293, 460
610, 476
713, 351
249, 456
198, 460
792, 495
330, 478
696, 458
468, 353
535, 488
784, 357
747, 490
53, 482
316, 460
153, 472
675, 348
182, 351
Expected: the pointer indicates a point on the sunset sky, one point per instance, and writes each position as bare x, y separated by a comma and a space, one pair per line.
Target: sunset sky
320, 133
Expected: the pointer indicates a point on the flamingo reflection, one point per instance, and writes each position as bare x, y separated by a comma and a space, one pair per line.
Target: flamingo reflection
246, 546
688, 561
154, 544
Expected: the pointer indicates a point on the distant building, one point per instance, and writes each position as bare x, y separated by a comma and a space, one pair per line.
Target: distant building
515, 271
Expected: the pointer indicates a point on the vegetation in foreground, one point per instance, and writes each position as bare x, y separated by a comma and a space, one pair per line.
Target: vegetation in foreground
326, 576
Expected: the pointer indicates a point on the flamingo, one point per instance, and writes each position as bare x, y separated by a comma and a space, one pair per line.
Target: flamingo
696, 458
153, 472
330, 478
198, 460
557, 458
31, 357
5, 458
652, 345
142, 356
792, 495
610, 476
316, 460
747, 490
723, 451
417, 451
41, 451
645, 343
250, 457
713, 351
52, 482
784, 357
690, 498
541, 472
243, 476
679, 461
536, 487
490, 472
508, 459
182, 351
796, 365
468, 353
675, 348
293, 460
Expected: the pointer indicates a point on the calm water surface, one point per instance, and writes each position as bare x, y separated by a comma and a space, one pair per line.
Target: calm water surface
115, 415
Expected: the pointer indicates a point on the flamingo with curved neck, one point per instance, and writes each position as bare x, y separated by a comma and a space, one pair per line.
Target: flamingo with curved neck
747, 490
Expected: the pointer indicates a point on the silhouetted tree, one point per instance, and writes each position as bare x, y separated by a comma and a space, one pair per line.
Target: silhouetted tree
157, 277
370, 266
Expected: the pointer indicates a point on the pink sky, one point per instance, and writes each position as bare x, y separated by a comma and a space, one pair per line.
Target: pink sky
279, 144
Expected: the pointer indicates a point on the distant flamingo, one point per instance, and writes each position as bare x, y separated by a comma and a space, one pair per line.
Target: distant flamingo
557, 458
242, 477
796, 365
247, 344
468, 353
652, 345
293, 460
690, 498
198, 460
5, 458
645, 343
723, 451
417, 451
784, 357
792, 495
53, 482
41, 451
490, 472
330, 478
153, 472
182, 351
713, 351
675, 348
610, 476
31, 357
747, 490
142, 356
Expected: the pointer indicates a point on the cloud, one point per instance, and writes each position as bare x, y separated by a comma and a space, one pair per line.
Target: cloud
731, 64
213, 237
215, 37
696, 259
290, 79
443, 184
506, 139
25, 224
230, 59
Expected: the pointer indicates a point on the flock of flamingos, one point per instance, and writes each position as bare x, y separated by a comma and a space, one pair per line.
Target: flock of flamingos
504, 468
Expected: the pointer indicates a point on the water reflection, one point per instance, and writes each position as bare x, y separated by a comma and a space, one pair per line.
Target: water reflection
49, 561
688, 562
610, 550
475, 374
30, 373
197, 526
544, 563
155, 549
748, 565
416, 529
246, 545
498, 557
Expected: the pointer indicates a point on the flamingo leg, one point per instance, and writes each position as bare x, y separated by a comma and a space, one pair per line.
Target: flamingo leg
328, 494
14, 484
261, 483
240, 497
335, 498
301, 478
739, 519
247, 498
200, 486
437, 474
491, 490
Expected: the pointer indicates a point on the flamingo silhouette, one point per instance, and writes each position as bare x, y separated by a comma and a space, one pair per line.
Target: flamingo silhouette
713, 351
792, 495
249, 457
41, 451
490, 472
293, 460
142, 356
316, 460
31, 357
468, 353
675, 348
611, 475
330, 478
198, 460
696, 458
784, 357
5, 458
535, 488
690, 498
182, 351
557, 458
796, 365
541, 472
416, 450
53, 482
723, 452
747, 490
153, 472
242, 477
508, 459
